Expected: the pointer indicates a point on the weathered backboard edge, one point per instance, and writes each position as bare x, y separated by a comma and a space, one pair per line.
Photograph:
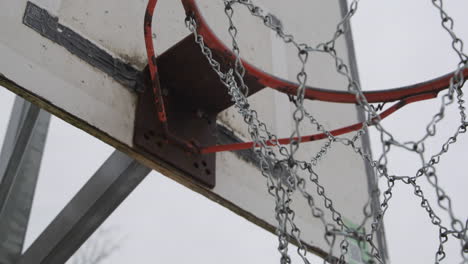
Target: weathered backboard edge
157, 165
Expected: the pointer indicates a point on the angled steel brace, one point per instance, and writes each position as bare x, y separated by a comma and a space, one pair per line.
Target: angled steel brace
97, 199
20, 162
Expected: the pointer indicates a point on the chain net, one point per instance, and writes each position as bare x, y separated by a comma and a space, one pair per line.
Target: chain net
274, 157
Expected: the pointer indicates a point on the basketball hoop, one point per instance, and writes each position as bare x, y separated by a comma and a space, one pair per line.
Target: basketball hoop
405, 94
238, 76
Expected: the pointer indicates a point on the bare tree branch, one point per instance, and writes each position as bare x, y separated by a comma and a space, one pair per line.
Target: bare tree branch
100, 246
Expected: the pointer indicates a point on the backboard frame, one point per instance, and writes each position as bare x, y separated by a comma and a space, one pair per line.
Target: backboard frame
130, 81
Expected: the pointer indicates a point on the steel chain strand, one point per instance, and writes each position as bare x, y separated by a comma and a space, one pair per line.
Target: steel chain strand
428, 168
336, 216
281, 205
197, 38
342, 27
298, 114
301, 76
461, 107
287, 38
448, 25
239, 66
303, 57
429, 172
303, 54
456, 84
320, 128
381, 169
257, 9
447, 99
320, 189
237, 99
295, 231
316, 212
328, 204
456, 224
464, 252
340, 64
460, 103
387, 195
282, 218
239, 71
321, 192
435, 220
377, 220
443, 238
354, 87
330, 138
280, 200
267, 20
250, 118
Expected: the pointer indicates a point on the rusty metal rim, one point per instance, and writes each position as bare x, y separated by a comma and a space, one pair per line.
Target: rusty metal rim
405, 95
433, 86
319, 136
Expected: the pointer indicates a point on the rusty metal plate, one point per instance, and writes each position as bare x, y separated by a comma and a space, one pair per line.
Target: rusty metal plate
184, 121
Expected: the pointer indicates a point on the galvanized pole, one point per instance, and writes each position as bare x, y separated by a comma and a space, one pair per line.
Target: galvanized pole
97, 199
20, 162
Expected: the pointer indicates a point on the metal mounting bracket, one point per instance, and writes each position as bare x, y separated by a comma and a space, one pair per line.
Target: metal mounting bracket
193, 97
185, 122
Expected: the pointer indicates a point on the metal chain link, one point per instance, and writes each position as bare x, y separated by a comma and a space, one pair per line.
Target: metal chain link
256, 11
261, 143
299, 113
335, 218
283, 188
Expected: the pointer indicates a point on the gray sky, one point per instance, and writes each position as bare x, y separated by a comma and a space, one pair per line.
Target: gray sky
402, 42
397, 42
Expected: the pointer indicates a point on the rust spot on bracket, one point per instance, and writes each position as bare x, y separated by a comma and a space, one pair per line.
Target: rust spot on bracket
193, 96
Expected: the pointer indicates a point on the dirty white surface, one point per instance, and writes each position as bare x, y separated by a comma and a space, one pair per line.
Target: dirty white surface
51, 72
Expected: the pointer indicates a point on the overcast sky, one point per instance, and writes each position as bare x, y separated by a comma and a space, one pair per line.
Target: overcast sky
397, 42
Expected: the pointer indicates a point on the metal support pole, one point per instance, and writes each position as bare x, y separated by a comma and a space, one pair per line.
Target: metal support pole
20, 162
97, 199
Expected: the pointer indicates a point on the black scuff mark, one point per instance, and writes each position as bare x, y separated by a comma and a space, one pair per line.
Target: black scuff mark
49, 27
41, 21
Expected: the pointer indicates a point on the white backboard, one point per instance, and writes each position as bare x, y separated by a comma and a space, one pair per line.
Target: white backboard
80, 61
